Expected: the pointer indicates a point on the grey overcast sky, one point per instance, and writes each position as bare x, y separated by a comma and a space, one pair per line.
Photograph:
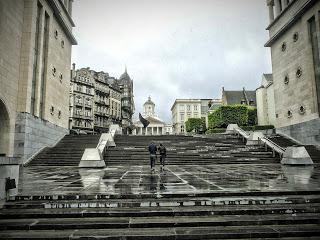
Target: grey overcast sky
174, 48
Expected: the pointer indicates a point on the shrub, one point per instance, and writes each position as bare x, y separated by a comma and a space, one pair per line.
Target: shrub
247, 128
196, 124
230, 114
252, 116
263, 127
216, 130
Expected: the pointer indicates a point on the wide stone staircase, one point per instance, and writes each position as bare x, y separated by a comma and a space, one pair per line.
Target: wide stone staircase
67, 152
260, 215
270, 209
186, 150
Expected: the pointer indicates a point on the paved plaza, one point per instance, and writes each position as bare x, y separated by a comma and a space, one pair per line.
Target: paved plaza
134, 180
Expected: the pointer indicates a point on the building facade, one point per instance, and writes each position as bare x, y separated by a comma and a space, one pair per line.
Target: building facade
156, 125
265, 101
294, 43
95, 101
82, 100
101, 103
183, 109
125, 84
35, 53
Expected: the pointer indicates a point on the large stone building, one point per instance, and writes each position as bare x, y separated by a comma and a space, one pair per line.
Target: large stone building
35, 52
183, 109
156, 125
95, 101
127, 102
294, 42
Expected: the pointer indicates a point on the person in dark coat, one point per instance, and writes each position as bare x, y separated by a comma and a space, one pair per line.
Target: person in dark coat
163, 154
153, 155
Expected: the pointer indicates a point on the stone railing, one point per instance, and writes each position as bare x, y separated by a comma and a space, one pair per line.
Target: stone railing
94, 157
273, 146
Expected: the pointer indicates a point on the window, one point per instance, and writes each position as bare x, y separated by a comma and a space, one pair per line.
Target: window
60, 77
56, 34
54, 71
182, 117
295, 37
283, 46
59, 114
52, 110
289, 114
299, 72
62, 43
195, 108
188, 108
286, 79
302, 110
181, 107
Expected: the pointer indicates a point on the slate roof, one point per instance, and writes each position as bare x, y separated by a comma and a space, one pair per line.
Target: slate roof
237, 97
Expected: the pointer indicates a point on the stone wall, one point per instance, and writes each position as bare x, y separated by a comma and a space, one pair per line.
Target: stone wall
10, 42
32, 134
306, 132
291, 91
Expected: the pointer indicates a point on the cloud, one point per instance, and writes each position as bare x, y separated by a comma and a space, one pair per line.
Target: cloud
174, 48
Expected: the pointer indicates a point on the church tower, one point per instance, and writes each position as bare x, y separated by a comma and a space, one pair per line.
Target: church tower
148, 107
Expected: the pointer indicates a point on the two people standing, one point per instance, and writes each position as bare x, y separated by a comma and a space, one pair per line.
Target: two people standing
153, 154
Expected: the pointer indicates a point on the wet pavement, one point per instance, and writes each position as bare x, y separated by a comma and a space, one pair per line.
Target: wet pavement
128, 180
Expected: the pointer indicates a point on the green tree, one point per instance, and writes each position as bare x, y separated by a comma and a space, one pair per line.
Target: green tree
196, 124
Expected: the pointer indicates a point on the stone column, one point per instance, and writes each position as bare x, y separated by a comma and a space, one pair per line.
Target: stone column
278, 9
157, 130
270, 4
151, 130
141, 132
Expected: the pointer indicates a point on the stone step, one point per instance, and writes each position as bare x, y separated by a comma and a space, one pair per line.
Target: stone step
216, 232
163, 202
158, 222
152, 211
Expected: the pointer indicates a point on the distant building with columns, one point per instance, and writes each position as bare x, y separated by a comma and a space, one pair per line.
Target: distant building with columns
156, 127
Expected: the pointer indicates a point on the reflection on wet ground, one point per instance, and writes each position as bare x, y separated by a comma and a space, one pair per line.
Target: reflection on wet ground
174, 179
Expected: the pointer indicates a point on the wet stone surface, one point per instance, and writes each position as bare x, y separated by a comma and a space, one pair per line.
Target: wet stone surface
128, 180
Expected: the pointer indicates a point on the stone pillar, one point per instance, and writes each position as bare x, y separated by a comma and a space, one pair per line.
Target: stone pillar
157, 130
151, 130
278, 9
270, 4
141, 131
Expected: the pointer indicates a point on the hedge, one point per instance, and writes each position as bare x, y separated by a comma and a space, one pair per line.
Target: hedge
216, 130
230, 114
196, 124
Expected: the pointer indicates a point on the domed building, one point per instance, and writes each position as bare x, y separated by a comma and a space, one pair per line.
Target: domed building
156, 125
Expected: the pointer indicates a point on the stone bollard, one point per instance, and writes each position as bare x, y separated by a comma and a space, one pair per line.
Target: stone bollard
296, 155
231, 128
254, 138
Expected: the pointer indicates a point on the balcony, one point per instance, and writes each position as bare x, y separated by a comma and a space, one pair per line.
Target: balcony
101, 113
102, 102
76, 103
77, 115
